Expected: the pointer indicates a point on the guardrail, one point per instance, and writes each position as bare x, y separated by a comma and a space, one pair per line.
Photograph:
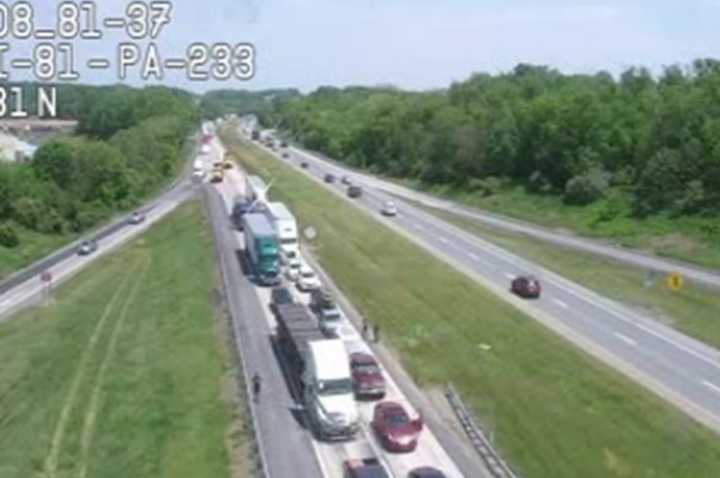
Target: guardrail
480, 442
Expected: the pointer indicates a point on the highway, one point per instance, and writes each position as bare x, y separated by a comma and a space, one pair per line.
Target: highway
706, 277
678, 368
25, 287
286, 445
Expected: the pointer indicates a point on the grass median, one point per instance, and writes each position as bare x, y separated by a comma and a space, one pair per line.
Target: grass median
692, 310
554, 411
127, 371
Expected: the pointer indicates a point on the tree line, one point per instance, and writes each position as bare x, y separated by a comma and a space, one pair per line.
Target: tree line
646, 144
128, 142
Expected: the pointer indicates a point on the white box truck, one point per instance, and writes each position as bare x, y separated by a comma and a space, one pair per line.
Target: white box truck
320, 368
286, 230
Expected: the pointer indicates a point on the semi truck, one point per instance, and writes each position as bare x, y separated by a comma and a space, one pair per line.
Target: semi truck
261, 248
286, 229
320, 371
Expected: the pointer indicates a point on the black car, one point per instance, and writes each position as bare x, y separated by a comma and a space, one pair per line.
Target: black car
239, 210
87, 247
354, 191
279, 296
346, 180
526, 286
426, 472
364, 468
329, 178
304, 165
283, 144
285, 155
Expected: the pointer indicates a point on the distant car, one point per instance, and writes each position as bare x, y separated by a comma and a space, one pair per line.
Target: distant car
304, 165
228, 164
292, 270
240, 208
526, 286
136, 218
394, 428
329, 178
284, 144
364, 468
368, 380
354, 191
87, 247
285, 154
346, 180
389, 209
308, 280
426, 472
280, 295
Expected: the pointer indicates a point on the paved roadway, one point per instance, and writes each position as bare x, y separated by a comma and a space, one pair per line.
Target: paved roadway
684, 371
287, 445
707, 277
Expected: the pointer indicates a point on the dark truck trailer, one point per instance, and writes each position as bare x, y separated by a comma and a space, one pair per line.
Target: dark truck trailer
296, 328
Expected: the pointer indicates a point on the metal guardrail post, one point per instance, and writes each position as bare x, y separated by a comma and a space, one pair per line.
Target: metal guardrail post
480, 442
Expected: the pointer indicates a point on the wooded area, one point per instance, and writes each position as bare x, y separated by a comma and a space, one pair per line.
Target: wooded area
648, 145
128, 142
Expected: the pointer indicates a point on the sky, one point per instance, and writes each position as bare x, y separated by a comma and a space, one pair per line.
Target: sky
413, 44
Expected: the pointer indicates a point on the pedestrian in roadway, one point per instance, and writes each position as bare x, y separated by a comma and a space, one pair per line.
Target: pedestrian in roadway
376, 333
256, 384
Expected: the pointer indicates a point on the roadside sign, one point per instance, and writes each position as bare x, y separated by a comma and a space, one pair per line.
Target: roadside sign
675, 281
310, 233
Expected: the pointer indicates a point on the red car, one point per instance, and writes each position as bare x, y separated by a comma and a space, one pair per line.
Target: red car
368, 380
526, 286
394, 428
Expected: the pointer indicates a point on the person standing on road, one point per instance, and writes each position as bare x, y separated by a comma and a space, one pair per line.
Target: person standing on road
256, 384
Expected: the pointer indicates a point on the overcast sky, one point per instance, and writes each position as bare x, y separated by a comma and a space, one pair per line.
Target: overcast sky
418, 44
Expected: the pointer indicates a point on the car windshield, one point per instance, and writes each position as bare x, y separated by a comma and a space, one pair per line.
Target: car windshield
340, 386
368, 368
331, 314
291, 240
308, 274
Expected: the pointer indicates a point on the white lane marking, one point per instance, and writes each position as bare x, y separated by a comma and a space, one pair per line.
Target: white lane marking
561, 303
625, 339
443, 240
711, 386
473, 256
509, 275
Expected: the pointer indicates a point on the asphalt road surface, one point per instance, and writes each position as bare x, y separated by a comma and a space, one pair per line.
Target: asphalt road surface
684, 371
287, 445
707, 277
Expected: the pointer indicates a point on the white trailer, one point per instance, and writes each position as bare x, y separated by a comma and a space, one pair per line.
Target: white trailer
285, 229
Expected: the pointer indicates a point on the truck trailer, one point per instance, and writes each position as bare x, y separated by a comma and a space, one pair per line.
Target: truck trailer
286, 229
320, 370
261, 248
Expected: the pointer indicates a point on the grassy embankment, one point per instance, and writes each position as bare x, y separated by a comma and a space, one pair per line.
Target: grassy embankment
691, 239
693, 310
127, 372
555, 412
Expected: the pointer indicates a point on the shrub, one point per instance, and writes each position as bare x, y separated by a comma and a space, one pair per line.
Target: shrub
586, 188
8, 236
538, 183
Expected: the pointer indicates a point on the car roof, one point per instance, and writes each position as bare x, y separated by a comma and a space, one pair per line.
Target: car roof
390, 406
